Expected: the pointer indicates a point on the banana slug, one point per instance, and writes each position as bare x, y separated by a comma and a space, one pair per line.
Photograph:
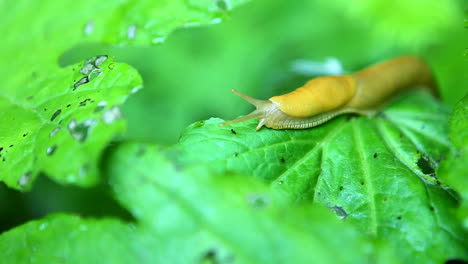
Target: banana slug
320, 99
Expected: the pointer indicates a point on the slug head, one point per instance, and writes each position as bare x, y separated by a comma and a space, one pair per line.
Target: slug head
265, 109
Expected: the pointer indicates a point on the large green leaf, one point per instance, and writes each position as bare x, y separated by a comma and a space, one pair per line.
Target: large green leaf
49, 118
454, 169
190, 216
60, 129
376, 173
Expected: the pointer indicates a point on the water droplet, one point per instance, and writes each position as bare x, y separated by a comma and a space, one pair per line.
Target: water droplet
280, 182
80, 82
87, 68
192, 24
56, 113
100, 60
136, 89
111, 115
131, 31
158, 40
81, 131
216, 20
50, 150
94, 74
24, 179
82, 171
257, 200
43, 226
102, 103
89, 27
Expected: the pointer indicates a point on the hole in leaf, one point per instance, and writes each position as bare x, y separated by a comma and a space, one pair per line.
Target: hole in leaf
398, 218
425, 166
282, 160
233, 131
341, 188
375, 155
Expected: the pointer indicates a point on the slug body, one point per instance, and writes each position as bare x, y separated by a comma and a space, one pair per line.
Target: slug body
323, 98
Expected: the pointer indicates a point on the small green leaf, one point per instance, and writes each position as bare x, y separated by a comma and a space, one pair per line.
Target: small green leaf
376, 173
454, 169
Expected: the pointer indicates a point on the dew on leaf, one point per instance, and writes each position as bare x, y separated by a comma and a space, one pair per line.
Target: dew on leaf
82, 171
50, 150
56, 113
54, 131
257, 200
339, 211
87, 68
158, 40
43, 226
131, 31
80, 82
24, 179
89, 27
235, 154
81, 131
216, 20
94, 74
100, 60
135, 89
111, 115
280, 182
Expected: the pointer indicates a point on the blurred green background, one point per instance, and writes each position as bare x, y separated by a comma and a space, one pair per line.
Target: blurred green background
189, 76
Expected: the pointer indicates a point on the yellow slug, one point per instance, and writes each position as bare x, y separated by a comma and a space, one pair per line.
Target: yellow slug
323, 98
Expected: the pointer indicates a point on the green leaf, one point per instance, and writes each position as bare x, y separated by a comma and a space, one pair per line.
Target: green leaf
63, 238
189, 216
454, 169
223, 218
379, 171
48, 119
61, 128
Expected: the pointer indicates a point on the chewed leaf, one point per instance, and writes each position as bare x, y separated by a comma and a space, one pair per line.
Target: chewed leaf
63, 123
377, 173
